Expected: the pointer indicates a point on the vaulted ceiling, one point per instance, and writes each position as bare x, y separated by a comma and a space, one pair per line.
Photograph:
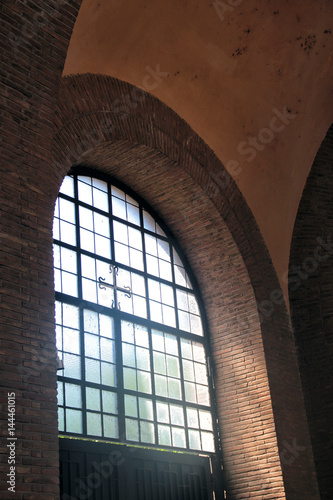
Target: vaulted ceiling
253, 79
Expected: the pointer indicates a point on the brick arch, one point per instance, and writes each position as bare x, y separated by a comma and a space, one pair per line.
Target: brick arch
108, 124
311, 278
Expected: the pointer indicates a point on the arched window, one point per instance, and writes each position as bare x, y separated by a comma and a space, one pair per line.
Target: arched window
129, 326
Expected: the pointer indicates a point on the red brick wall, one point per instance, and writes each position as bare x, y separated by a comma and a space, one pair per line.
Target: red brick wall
34, 39
311, 278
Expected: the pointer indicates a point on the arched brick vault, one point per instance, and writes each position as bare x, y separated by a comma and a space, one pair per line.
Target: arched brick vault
116, 128
311, 304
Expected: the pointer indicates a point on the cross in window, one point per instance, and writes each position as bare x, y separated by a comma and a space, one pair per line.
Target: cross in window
126, 290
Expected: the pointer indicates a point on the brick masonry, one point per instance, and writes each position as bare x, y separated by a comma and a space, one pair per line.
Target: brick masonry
312, 305
147, 146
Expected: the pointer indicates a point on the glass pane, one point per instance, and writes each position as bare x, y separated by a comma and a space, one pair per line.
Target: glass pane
171, 344
202, 395
131, 407
133, 214
173, 366
134, 238
146, 409
190, 394
132, 430
141, 336
67, 233
194, 439
164, 436
130, 379
60, 393
110, 403
167, 295
119, 208
148, 221
108, 350
72, 367
100, 200
69, 284
158, 340
192, 418
87, 240
110, 426
206, 422
101, 225
174, 388
91, 345
144, 382
93, 399
147, 432
117, 192
188, 370
106, 326
128, 355
86, 218
74, 421
67, 211
90, 321
178, 437
88, 267
89, 290
162, 410
154, 290
159, 363
68, 260
102, 246
94, 424
67, 186
93, 371
207, 439
84, 189
177, 415
142, 358
200, 373
108, 374
161, 385
127, 332
61, 419
71, 341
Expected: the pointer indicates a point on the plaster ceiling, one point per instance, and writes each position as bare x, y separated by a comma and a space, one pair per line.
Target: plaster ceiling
253, 79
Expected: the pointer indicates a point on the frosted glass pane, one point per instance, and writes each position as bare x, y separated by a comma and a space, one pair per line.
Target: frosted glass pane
174, 388
72, 366
152, 265
108, 350
207, 441
67, 233
69, 284
94, 424
194, 439
188, 370
73, 395
178, 437
132, 430
91, 345
193, 305
57, 280
154, 290
202, 395
68, 260
130, 379
59, 338
110, 402
127, 332
192, 418
199, 353
151, 245
74, 421
102, 246
61, 419
128, 355
134, 238
121, 252
190, 393
133, 214
111, 426
100, 200
141, 336
148, 221
136, 259
100, 185
168, 315
108, 374
90, 321
84, 191
67, 186
142, 358
86, 218
139, 306
70, 316
119, 208
147, 432
184, 321
164, 436
167, 295
200, 373
182, 302
67, 210
165, 270
161, 385
172, 366
131, 407
93, 399
106, 326
163, 250
138, 285
117, 192
88, 267
180, 276
162, 410
158, 340
196, 326
89, 290
177, 415
93, 371
159, 363
56, 256
71, 341
144, 382
206, 422
186, 347
171, 344
56, 229
146, 409
60, 394
120, 232
87, 240
155, 311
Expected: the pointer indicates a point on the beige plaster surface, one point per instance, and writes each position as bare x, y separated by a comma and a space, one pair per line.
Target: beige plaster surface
228, 68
